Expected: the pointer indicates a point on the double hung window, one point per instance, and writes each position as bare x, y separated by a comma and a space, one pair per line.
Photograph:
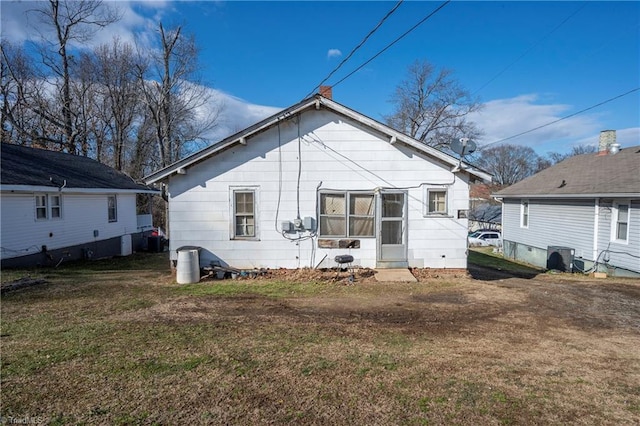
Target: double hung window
620, 231
244, 213
112, 208
48, 206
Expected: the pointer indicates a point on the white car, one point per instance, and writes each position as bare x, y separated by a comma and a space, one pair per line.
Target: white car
485, 238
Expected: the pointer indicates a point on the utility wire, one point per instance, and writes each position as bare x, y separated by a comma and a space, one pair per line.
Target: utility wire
364, 40
393, 42
526, 52
560, 119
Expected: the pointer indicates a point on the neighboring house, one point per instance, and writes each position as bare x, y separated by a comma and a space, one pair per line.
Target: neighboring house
315, 181
588, 204
57, 207
484, 211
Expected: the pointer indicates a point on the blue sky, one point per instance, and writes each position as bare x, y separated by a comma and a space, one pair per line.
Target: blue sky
530, 63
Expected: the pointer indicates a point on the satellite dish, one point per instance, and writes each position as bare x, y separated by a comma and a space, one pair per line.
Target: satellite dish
463, 146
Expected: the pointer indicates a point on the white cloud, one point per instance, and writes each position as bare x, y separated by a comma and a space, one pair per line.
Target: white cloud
625, 137
20, 24
504, 118
236, 114
334, 53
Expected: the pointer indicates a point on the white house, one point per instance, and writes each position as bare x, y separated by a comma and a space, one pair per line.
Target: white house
57, 207
582, 214
315, 181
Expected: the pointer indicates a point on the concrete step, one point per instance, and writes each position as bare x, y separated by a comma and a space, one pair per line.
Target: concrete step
395, 275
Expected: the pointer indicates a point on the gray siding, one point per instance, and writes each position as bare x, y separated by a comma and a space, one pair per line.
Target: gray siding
552, 223
622, 255
570, 223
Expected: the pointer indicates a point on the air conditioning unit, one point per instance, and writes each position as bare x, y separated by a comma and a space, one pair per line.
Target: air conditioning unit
560, 258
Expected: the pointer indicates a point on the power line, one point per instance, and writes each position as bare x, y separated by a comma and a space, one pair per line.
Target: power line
563, 118
393, 42
364, 40
526, 52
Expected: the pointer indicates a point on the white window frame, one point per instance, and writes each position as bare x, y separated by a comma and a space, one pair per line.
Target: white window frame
41, 205
525, 214
44, 203
55, 207
233, 190
115, 208
615, 221
347, 215
427, 204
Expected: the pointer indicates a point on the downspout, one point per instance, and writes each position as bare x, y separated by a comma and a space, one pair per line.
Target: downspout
596, 226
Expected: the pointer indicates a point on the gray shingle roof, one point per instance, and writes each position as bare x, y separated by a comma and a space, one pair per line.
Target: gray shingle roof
38, 167
584, 175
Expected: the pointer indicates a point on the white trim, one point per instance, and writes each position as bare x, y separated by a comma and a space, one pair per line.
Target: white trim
115, 208
427, 202
311, 103
596, 226
255, 190
614, 221
347, 213
524, 203
40, 188
595, 195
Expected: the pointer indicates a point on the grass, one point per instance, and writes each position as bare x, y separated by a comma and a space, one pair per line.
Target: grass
118, 342
484, 256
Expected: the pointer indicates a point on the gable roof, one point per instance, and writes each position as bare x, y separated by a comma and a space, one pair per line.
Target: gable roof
39, 169
581, 176
315, 102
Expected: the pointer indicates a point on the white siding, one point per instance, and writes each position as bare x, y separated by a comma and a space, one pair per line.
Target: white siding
334, 154
22, 234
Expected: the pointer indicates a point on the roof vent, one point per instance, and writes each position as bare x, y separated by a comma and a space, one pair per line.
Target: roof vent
614, 148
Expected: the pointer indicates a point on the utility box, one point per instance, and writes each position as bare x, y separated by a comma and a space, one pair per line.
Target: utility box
560, 258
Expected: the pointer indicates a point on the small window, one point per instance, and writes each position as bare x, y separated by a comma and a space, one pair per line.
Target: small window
56, 206
112, 208
41, 207
437, 201
524, 214
621, 222
244, 214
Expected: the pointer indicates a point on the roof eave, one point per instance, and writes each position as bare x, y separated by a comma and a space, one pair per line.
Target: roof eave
316, 102
68, 190
574, 196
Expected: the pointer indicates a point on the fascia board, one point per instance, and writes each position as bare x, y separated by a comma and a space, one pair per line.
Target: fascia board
573, 196
50, 189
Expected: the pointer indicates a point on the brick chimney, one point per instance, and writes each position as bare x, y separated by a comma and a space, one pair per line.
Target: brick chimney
326, 91
607, 138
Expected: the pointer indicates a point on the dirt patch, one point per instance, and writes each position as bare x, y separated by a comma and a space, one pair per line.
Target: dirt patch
449, 349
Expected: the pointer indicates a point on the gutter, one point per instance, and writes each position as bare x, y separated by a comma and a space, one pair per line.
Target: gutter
559, 196
27, 189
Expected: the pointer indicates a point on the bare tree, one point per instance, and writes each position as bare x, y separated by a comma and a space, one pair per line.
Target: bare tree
26, 106
509, 163
555, 157
119, 96
71, 22
431, 106
176, 103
